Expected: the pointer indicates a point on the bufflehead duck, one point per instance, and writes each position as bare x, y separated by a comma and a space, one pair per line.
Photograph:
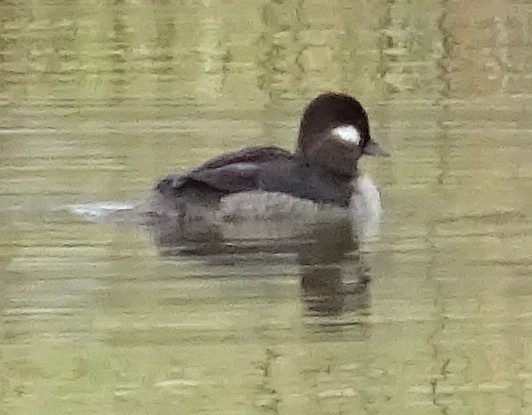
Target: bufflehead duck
267, 181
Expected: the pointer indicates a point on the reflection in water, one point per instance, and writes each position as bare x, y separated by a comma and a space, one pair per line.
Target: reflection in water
333, 277
331, 284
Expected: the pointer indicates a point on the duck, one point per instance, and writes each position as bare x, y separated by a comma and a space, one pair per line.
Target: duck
264, 183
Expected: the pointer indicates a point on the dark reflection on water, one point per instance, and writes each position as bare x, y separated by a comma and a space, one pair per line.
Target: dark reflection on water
333, 276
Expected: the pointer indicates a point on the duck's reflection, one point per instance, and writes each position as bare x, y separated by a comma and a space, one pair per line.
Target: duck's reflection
334, 276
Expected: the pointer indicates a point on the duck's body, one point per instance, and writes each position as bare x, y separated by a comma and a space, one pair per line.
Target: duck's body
321, 177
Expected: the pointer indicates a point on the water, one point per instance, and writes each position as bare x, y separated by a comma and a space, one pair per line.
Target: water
99, 99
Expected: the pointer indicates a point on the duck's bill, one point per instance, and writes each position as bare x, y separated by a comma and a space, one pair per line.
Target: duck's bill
373, 149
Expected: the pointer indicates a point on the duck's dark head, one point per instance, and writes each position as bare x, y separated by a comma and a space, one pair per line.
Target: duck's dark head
334, 133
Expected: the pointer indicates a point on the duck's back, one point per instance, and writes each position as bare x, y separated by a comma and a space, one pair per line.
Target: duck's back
229, 173
198, 191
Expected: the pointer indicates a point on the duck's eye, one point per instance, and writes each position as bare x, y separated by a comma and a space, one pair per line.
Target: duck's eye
347, 133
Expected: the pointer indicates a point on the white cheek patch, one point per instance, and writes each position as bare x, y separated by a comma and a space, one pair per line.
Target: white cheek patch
347, 133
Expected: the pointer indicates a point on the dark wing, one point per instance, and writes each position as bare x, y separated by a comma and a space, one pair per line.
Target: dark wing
247, 155
230, 173
230, 178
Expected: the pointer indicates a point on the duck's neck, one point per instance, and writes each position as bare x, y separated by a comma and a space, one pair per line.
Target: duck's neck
339, 165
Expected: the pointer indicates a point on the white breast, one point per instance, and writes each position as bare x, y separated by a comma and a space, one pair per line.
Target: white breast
366, 206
